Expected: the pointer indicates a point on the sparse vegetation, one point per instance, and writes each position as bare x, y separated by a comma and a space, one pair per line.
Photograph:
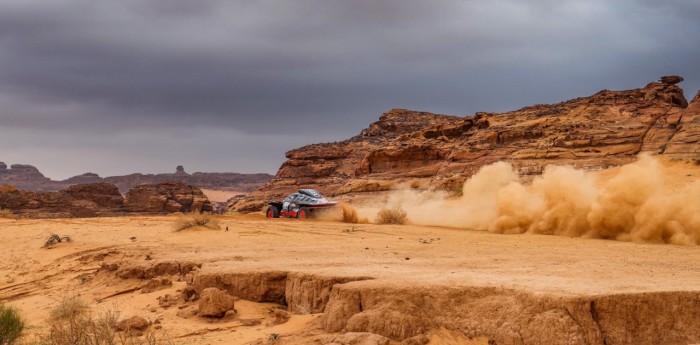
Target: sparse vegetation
7, 214
55, 239
393, 215
190, 220
72, 322
11, 325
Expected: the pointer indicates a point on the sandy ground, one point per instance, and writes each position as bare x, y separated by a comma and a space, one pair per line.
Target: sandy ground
35, 279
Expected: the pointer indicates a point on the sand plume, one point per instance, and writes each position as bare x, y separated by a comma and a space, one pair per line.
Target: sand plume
345, 213
632, 206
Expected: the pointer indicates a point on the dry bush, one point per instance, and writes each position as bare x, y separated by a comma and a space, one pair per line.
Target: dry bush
73, 323
393, 215
7, 214
196, 218
55, 239
11, 325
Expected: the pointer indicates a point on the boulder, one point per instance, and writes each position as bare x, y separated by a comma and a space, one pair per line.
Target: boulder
135, 324
214, 303
671, 79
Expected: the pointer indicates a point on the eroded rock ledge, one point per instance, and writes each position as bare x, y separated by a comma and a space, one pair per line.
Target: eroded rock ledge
504, 316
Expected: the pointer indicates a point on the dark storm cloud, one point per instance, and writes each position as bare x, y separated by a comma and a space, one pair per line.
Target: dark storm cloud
297, 72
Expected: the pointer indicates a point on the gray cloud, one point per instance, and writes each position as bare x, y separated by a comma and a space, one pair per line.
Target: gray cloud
267, 76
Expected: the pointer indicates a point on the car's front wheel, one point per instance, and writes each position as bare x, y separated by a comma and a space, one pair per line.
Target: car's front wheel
272, 212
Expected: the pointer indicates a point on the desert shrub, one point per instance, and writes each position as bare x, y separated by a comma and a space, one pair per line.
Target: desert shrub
69, 308
11, 325
189, 220
73, 323
393, 215
55, 239
7, 214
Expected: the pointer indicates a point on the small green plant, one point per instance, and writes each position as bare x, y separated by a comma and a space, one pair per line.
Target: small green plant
11, 325
196, 218
393, 215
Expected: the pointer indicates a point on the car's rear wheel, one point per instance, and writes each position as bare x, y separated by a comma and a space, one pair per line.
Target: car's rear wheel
272, 212
303, 213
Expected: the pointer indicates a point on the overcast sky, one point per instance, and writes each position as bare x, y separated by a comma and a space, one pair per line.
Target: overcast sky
115, 87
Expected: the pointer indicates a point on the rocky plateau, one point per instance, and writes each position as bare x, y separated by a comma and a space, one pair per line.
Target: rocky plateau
30, 178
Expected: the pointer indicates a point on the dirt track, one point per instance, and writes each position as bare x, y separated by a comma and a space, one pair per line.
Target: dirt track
516, 270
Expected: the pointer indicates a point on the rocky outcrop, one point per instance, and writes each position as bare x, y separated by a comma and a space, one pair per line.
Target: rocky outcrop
167, 197
103, 199
29, 178
430, 151
214, 303
22, 176
87, 200
134, 324
685, 140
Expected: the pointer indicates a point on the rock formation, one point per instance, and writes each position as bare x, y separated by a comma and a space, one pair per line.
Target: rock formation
429, 151
214, 303
104, 199
87, 200
167, 197
29, 178
22, 176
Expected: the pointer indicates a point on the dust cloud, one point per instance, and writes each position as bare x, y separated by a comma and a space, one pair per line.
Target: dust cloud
631, 206
345, 213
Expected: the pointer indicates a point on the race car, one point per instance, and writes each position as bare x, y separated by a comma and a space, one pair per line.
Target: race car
302, 204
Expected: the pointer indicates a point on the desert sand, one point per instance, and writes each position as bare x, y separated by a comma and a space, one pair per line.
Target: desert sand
457, 286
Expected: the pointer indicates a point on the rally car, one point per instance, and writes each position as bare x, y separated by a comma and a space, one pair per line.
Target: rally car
302, 204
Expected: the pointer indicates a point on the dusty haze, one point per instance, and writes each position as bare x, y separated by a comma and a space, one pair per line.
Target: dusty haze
632, 205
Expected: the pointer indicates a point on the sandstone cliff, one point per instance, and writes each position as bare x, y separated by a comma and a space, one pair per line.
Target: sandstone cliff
430, 151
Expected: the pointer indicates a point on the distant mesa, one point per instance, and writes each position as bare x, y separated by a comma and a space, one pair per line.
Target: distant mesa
28, 177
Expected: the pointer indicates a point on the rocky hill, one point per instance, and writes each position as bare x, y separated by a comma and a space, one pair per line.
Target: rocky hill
28, 177
430, 151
